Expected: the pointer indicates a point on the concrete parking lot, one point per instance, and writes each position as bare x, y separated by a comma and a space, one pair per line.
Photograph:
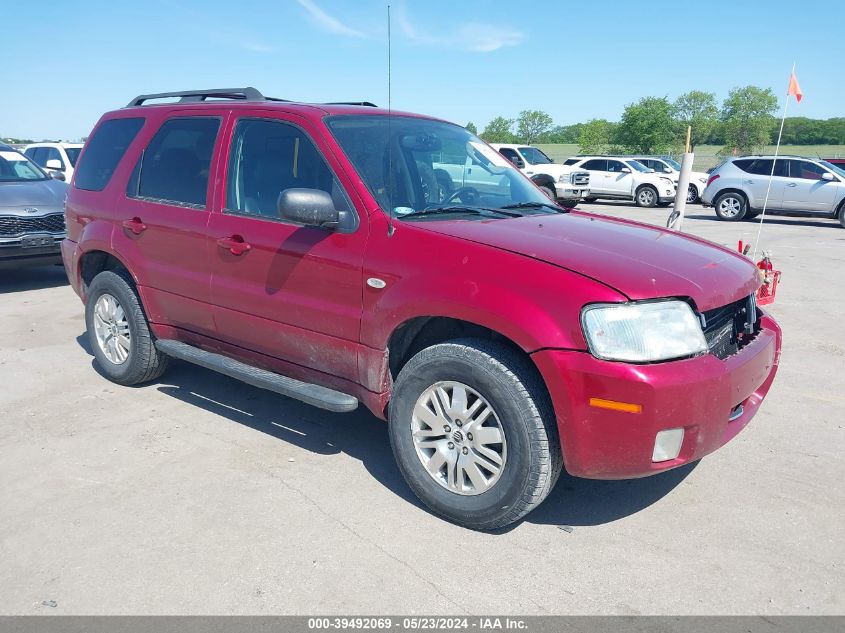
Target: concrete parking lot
200, 495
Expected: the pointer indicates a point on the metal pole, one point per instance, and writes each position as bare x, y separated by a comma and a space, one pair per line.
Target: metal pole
676, 219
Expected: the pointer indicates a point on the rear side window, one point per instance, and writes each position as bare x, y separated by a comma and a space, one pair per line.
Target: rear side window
571, 161
174, 167
763, 167
268, 157
104, 151
744, 163
597, 164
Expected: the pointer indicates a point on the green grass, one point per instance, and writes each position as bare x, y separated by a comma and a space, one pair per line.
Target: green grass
706, 156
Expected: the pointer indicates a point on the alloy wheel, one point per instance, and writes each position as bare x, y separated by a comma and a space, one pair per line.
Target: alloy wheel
112, 329
730, 207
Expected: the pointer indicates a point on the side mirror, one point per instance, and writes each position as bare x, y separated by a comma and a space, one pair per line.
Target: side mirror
626, 170
667, 170
53, 163
56, 175
313, 207
827, 176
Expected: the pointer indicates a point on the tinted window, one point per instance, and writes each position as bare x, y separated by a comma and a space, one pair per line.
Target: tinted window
806, 170
104, 151
175, 165
571, 161
615, 166
53, 154
763, 167
72, 154
510, 154
268, 157
744, 163
597, 164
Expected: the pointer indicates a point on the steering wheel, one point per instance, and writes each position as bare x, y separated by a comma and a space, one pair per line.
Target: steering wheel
471, 193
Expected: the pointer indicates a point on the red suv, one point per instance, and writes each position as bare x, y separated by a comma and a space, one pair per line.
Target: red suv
340, 253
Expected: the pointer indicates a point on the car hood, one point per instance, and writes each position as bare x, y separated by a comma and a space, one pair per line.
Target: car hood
638, 260
553, 169
49, 194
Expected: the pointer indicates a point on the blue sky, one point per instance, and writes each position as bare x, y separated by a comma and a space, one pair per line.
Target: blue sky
463, 60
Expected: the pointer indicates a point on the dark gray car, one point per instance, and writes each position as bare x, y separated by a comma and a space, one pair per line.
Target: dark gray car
32, 219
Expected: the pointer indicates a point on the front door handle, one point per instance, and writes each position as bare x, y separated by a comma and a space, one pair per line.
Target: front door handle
792, 184
235, 244
134, 225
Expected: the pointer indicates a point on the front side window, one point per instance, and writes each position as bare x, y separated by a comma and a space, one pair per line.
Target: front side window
510, 154
73, 154
806, 170
15, 167
175, 165
638, 166
534, 156
105, 149
615, 166
268, 157
418, 167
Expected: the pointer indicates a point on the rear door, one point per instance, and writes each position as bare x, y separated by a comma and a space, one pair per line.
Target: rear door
287, 291
599, 176
163, 219
805, 190
756, 182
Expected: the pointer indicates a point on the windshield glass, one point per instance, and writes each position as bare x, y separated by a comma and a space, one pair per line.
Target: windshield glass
672, 163
638, 166
428, 165
534, 156
834, 168
15, 167
72, 154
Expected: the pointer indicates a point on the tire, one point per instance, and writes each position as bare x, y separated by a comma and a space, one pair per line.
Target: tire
730, 206
692, 195
841, 215
646, 196
550, 192
510, 386
142, 362
750, 214
589, 200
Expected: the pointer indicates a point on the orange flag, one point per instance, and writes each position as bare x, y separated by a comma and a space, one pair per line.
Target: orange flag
794, 88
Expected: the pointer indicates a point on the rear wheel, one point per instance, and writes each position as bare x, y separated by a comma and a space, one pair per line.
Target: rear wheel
730, 206
589, 200
118, 332
646, 196
473, 432
842, 214
692, 195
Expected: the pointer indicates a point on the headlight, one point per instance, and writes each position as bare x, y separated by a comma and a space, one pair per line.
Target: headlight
642, 332
702, 180
563, 178
667, 180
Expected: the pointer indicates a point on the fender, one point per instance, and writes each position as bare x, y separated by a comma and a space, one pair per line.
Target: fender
543, 179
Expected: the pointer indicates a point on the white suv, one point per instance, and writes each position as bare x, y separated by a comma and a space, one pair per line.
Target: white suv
737, 188
559, 182
623, 178
59, 159
672, 168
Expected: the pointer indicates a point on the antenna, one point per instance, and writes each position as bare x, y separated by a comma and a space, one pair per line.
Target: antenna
390, 227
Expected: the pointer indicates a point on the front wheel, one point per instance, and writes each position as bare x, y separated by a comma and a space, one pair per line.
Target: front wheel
646, 196
550, 192
842, 214
730, 206
473, 432
118, 332
692, 195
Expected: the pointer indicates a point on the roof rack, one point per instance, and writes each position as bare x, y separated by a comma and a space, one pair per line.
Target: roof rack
242, 94
237, 94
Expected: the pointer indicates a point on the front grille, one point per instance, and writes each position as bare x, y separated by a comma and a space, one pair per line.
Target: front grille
730, 328
15, 226
580, 178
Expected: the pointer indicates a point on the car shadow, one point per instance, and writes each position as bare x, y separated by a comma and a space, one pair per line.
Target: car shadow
32, 278
773, 218
362, 436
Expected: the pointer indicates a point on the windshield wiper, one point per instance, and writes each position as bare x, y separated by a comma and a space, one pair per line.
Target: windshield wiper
535, 205
458, 209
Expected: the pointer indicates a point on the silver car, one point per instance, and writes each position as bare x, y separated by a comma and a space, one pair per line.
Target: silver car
807, 186
32, 219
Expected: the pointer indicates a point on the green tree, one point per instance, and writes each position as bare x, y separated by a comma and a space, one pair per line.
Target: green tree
594, 136
698, 110
531, 124
646, 127
747, 116
471, 127
499, 130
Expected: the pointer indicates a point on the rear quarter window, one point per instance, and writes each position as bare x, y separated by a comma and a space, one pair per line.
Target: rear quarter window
104, 151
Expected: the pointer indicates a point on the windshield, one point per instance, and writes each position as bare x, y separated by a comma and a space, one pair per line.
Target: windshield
672, 163
431, 165
534, 156
639, 166
72, 154
836, 169
15, 167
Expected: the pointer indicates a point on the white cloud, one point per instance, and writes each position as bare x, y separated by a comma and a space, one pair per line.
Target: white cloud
473, 36
485, 38
327, 22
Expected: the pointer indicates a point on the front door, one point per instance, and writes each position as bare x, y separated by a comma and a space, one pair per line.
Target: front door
620, 179
805, 190
287, 291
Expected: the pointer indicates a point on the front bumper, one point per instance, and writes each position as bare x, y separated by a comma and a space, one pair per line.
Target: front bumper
698, 394
30, 250
571, 192
667, 198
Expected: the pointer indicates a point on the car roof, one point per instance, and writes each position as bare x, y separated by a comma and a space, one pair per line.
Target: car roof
6, 148
55, 144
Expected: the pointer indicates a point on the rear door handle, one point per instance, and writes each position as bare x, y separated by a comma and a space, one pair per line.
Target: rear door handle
235, 244
792, 184
134, 225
